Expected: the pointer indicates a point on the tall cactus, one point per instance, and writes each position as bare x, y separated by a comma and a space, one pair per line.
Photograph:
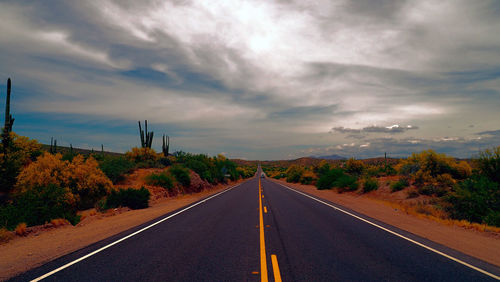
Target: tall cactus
146, 137
53, 145
166, 144
9, 121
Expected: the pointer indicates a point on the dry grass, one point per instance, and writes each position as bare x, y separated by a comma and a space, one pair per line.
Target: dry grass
21, 229
5, 235
59, 222
427, 211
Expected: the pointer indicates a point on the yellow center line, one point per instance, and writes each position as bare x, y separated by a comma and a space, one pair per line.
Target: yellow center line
263, 263
276, 268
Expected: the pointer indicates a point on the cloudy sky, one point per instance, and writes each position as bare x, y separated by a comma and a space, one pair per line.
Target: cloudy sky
257, 79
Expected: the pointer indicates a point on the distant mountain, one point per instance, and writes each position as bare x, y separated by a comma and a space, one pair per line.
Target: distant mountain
330, 157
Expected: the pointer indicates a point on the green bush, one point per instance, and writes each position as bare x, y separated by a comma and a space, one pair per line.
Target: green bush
160, 179
488, 164
346, 183
399, 185
213, 170
337, 178
116, 167
38, 206
327, 179
181, 174
132, 198
477, 200
370, 184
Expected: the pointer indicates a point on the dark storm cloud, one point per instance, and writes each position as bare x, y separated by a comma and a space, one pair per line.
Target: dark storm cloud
394, 129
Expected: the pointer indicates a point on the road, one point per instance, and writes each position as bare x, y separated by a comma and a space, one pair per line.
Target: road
252, 234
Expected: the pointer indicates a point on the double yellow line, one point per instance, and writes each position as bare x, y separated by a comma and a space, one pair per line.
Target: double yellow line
263, 261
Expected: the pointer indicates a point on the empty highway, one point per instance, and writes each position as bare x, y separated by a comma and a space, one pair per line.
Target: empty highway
272, 233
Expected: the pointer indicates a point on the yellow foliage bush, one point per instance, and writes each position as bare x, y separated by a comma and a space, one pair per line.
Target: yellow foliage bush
84, 181
429, 167
20, 152
142, 155
354, 166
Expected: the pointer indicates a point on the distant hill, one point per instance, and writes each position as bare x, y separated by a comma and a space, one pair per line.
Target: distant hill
330, 157
312, 161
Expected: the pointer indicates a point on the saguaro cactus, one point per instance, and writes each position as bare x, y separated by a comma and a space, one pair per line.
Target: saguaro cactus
53, 145
146, 137
9, 121
166, 144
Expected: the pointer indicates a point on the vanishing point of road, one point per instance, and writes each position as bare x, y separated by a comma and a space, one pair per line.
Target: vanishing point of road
262, 230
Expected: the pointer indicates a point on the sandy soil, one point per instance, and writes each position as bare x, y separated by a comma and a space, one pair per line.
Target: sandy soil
482, 245
44, 244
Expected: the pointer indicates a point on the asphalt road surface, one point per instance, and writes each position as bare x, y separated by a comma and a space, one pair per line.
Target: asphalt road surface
246, 233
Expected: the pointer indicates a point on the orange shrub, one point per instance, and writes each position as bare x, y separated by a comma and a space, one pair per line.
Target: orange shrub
354, 166
84, 181
21, 229
429, 167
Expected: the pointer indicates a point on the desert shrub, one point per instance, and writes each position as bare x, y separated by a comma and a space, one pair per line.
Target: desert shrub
326, 180
337, 178
322, 168
246, 171
373, 171
39, 205
492, 218
431, 168
476, 199
212, 169
307, 177
132, 198
370, 184
399, 185
427, 190
181, 174
488, 163
202, 169
86, 182
165, 161
294, 173
144, 157
21, 229
20, 152
116, 167
5, 235
160, 179
354, 166
430, 189
346, 183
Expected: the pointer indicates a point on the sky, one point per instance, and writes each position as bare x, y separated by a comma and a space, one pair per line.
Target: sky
256, 79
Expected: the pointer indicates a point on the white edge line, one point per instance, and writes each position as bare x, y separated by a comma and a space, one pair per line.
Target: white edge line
130, 235
397, 234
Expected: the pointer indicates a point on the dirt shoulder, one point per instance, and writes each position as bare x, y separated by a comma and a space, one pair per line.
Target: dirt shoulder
24, 253
482, 245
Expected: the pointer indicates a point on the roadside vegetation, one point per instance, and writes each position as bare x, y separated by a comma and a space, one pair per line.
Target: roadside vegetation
430, 183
